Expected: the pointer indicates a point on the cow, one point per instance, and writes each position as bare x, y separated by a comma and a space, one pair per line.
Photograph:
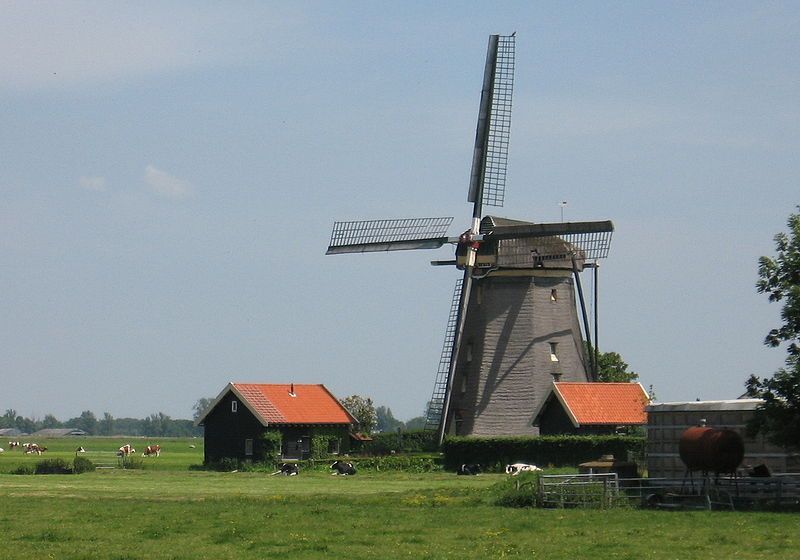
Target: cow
12, 445
516, 468
2, 450
343, 468
80, 450
151, 450
31, 448
288, 469
469, 470
125, 450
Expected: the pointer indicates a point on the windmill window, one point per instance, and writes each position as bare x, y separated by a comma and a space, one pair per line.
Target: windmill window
463, 384
469, 352
553, 295
553, 352
234, 406
556, 376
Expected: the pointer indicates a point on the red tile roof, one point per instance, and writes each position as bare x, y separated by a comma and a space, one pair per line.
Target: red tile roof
620, 404
277, 404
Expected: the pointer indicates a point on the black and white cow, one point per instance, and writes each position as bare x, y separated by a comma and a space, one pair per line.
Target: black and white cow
469, 470
343, 468
516, 468
288, 469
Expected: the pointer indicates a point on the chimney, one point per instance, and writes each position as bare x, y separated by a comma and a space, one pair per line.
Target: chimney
291, 390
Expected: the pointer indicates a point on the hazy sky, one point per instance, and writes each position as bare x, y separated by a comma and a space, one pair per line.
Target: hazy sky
170, 172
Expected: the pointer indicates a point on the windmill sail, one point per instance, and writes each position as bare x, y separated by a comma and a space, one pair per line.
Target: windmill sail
434, 414
388, 235
490, 157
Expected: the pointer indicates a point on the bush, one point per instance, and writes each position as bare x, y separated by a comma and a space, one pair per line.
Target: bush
416, 441
53, 466
82, 465
519, 491
226, 464
405, 463
270, 445
495, 453
24, 469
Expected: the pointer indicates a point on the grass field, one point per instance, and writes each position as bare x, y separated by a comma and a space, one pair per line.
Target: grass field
168, 511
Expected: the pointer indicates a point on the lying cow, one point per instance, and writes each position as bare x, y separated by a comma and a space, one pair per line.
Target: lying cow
80, 450
517, 468
125, 450
343, 468
151, 450
288, 469
469, 470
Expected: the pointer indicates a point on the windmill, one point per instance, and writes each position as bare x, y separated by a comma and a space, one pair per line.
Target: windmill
513, 326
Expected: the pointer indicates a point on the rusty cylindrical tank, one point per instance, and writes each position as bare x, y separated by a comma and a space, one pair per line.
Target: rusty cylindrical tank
717, 450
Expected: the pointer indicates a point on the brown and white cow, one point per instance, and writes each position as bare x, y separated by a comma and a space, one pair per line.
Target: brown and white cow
30, 448
125, 450
12, 444
151, 450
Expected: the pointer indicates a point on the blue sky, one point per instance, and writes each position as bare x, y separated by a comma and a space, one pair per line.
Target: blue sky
171, 172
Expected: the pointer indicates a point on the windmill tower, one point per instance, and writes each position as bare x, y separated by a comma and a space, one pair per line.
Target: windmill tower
513, 325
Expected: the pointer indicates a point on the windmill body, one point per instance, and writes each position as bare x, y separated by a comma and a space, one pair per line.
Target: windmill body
514, 326
522, 333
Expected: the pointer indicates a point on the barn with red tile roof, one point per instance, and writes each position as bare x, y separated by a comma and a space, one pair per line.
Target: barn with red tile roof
592, 408
235, 424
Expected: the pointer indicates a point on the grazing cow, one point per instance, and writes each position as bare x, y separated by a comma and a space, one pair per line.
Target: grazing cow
517, 468
125, 450
288, 469
469, 470
13, 444
2, 450
151, 450
80, 450
343, 468
192, 446
31, 448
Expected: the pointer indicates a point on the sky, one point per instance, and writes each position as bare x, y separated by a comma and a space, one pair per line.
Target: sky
170, 174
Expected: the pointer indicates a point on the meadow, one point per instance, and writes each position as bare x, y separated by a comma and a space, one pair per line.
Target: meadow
168, 510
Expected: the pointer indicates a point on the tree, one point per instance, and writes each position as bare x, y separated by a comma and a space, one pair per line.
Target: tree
362, 410
50, 421
385, 420
86, 422
778, 417
106, 427
612, 368
201, 406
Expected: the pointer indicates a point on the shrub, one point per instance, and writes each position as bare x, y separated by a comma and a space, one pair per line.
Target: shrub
131, 462
24, 469
53, 466
405, 463
270, 445
415, 441
518, 491
82, 465
495, 453
226, 464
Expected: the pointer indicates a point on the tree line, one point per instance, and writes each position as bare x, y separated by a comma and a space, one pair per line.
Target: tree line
157, 424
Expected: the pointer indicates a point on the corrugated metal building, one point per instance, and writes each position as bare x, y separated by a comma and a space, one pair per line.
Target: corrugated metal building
667, 421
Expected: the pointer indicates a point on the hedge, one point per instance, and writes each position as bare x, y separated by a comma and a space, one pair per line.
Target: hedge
416, 441
544, 451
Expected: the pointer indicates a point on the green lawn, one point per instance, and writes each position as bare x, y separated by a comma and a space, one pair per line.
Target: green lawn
172, 512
